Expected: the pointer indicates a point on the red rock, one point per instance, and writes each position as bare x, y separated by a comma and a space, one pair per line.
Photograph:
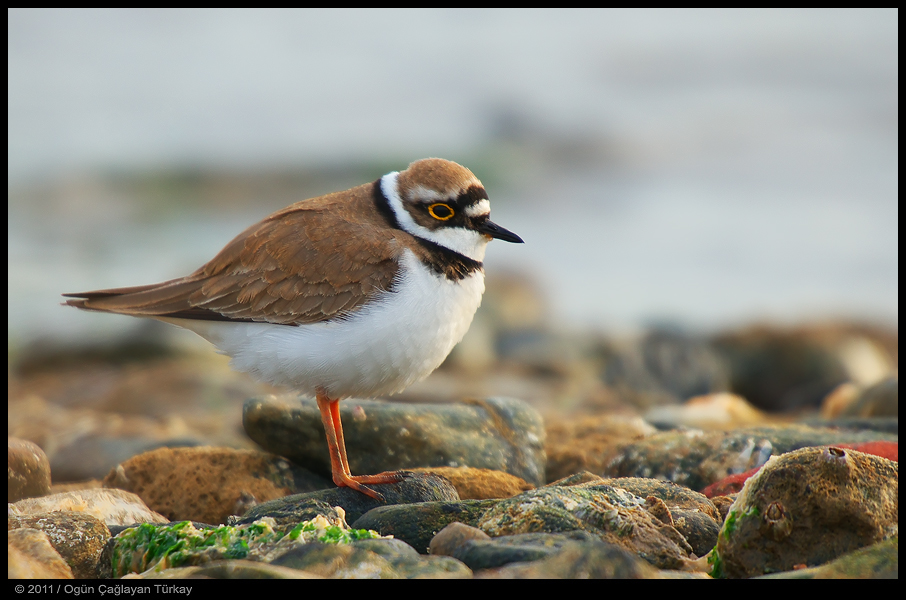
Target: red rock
729, 485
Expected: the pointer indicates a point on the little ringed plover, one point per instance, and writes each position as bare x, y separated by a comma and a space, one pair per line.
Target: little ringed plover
357, 293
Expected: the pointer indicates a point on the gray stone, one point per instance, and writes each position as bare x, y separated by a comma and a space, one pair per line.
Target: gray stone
416, 488
417, 524
496, 433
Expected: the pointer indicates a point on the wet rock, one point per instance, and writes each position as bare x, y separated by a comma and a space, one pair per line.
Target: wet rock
30, 555
696, 459
676, 497
27, 470
496, 433
614, 515
417, 524
418, 487
409, 564
113, 507
578, 560
449, 539
524, 547
209, 484
480, 484
879, 561
808, 507
589, 443
79, 538
713, 411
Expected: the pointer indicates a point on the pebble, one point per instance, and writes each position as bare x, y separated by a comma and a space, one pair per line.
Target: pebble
30, 555
113, 507
417, 524
496, 433
808, 507
79, 538
210, 484
27, 470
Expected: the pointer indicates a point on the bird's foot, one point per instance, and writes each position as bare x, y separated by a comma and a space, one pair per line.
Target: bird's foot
355, 481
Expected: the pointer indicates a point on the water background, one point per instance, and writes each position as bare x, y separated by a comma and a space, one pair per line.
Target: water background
703, 168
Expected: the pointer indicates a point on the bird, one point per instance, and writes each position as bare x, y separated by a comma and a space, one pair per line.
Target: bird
354, 294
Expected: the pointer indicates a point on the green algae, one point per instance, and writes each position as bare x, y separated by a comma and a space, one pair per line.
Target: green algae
181, 544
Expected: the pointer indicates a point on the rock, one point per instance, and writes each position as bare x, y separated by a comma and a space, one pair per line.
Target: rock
879, 561
94, 457
27, 470
496, 552
690, 513
82, 443
733, 483
808, 507
480, 484
589, 443
696, 459
669, 363
713, 411
113, 507
293, 511
879, 400
782, 370
418, 487
380, 559
209, 484
75, 486
614, 515
78, 537
449, 539
417, 524
497, 433
30, 555
409, 564
578, 560
723, 504
229, 569
161, 547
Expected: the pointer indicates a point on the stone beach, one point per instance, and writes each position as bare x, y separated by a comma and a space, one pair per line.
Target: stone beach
756, 452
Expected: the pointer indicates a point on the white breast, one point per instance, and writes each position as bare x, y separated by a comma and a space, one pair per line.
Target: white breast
382, 349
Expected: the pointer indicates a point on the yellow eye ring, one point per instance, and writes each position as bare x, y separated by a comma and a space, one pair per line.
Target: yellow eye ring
445, 211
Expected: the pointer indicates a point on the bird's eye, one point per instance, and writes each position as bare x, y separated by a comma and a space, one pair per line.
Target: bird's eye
441, 211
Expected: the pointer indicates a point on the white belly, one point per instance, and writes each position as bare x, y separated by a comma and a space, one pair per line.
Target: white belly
385, 347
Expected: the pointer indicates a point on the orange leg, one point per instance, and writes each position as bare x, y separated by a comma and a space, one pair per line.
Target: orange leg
336, 445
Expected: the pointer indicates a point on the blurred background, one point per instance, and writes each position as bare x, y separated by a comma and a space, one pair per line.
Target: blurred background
688, 173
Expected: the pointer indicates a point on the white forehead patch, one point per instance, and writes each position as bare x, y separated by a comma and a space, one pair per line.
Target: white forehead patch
426, 195
479, 209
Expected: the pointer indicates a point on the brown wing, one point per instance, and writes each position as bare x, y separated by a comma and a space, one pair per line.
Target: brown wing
310, 262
